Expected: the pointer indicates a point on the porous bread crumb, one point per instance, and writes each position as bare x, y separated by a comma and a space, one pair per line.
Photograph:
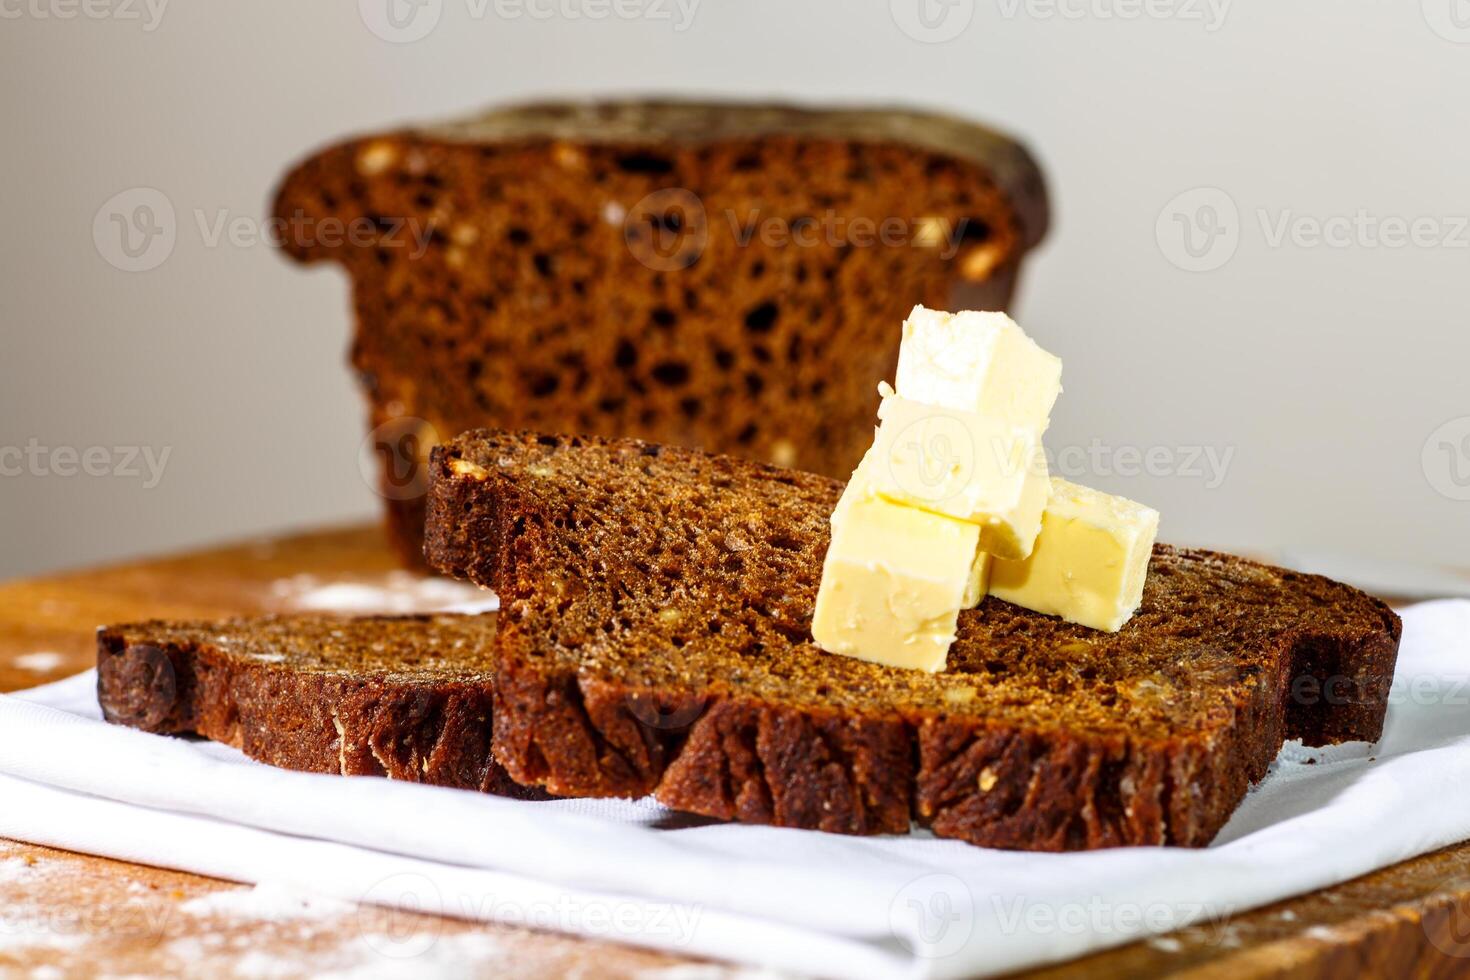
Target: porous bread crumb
574, 285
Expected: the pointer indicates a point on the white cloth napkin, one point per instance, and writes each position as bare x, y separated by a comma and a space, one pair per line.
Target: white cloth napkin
793, 900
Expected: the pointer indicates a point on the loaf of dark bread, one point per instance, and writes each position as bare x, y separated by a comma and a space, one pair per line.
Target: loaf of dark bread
655, 637
715, 275
407, 697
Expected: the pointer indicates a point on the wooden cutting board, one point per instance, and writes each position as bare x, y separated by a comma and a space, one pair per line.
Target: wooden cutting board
64, 914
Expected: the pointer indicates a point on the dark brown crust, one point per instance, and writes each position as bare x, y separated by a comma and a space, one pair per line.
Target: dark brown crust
984, 780
469, 334
653, 122
353, 724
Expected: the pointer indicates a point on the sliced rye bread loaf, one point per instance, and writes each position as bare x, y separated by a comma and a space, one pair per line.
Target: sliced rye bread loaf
407, 697
656, 608
723, 276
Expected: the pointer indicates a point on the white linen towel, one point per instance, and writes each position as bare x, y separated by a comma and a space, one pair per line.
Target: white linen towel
800, 901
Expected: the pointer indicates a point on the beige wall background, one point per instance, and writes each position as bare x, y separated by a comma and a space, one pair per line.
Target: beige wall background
1310, 332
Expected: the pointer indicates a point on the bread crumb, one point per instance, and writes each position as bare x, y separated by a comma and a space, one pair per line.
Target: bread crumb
376, 157
569, 157
980, 263
988, 779
463, 467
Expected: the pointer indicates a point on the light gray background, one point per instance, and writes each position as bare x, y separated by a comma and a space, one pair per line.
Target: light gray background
1324, 369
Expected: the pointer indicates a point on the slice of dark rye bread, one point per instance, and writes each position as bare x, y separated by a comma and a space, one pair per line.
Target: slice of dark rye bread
655, 637
407, 697
710, 274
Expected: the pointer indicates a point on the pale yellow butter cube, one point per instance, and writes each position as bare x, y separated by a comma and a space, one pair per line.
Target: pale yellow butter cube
977, 362
963, 465
979, 581
1090, 559
893, 582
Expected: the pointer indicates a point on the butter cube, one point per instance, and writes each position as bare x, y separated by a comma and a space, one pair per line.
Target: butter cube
1089, 562
893, 581
979, 581
963, 465
977, 362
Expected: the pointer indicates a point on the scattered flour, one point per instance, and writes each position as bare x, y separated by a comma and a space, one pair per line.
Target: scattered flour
462, 954
395, 593
15, 869
451, 957
709, 971
268, 902
1166, 944
24, 925
40, 662
263, 966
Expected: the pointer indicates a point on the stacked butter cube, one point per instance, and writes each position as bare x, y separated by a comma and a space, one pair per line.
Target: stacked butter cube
954, 502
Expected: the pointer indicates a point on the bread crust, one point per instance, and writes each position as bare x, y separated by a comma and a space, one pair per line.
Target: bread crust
228, 683
988, 777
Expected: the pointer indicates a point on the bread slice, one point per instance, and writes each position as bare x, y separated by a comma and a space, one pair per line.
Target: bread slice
407, 697
655, 638
705, 274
